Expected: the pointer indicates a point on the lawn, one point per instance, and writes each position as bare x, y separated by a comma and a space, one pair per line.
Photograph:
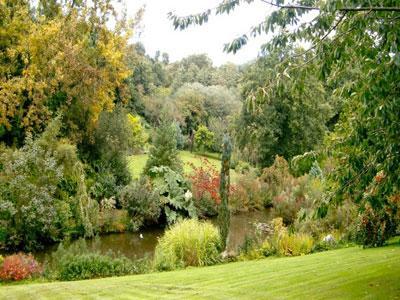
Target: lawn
137, 162
351, 273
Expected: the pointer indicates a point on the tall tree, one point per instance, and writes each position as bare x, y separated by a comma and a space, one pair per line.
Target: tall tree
224, 214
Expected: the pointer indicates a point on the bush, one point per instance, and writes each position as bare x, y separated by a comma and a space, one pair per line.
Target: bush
18, 267
142, 202
375, 226
286, 193
203, 138
94, 265
339, 219
205, 188
139, 137
295, 244
164, 151
283, 243
276, 178
251, 249
180, 138
242, 167
43, 193
248, 194
289, 202
78, 262
280, 242
113, 220
176, 199
301, 164
188, 243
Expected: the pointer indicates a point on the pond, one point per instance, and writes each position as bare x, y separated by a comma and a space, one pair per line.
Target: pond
143, 243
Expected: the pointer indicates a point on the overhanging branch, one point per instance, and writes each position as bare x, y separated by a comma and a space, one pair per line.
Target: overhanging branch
344, 9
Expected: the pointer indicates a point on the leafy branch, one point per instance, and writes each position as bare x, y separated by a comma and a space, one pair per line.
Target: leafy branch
183, 22
344, 9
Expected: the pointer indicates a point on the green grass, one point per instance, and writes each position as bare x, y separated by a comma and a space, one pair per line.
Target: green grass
351, 273
137, 162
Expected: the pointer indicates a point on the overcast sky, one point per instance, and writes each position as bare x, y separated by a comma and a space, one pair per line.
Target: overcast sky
159, 34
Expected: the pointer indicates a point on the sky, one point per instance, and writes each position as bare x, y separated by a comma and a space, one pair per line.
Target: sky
158, 32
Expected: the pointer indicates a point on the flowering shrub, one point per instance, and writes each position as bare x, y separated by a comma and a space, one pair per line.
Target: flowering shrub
19, 266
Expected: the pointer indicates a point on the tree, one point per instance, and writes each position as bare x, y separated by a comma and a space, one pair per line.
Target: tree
139, 137
227, 75
189, 100
288, 116
164, 150
203, 138
113, 140
343, 34
43, 195
224, 214
52, 59
194, 68
180, 139
198, 103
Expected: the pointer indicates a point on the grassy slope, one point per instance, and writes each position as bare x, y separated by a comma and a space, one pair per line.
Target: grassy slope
351, 273
137, 162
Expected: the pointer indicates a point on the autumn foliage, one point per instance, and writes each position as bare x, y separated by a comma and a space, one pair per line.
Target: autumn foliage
205, 181
18, 267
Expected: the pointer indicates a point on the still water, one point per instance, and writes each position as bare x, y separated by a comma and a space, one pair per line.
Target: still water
143, 243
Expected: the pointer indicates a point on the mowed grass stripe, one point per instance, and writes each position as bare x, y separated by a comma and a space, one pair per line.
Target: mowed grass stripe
351, 273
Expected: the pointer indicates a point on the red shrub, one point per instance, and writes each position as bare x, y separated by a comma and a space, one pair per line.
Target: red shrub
19, 266
205, 180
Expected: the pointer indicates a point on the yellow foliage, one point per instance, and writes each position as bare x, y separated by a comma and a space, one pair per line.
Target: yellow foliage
284, 243
68, 63
139, 136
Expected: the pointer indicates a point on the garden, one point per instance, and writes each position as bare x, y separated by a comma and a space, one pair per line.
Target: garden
176, 175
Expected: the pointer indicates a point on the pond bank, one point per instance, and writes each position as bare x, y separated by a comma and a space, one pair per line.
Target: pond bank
141, 244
